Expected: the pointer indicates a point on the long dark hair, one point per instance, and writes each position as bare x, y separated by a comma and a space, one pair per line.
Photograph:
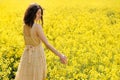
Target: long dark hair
30, 14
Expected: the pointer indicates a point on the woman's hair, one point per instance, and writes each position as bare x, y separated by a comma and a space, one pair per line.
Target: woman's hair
30, 14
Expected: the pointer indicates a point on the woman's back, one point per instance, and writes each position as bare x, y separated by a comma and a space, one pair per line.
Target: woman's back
30, 36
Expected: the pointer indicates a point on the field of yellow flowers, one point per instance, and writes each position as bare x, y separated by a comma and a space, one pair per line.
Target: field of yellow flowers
86, 31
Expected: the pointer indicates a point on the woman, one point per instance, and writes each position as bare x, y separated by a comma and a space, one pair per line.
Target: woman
33, 61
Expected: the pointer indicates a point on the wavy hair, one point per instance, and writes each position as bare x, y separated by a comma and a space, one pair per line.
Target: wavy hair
30, 14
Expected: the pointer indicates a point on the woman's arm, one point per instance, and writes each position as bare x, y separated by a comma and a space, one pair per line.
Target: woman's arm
45, 41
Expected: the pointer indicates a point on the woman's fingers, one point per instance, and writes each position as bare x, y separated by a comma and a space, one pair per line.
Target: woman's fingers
64, 60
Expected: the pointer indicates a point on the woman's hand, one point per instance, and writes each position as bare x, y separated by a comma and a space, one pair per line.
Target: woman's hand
63, 59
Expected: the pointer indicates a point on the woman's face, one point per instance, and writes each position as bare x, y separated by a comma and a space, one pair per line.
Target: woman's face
38, 14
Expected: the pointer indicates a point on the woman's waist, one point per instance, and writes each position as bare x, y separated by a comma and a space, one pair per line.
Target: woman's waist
30, 46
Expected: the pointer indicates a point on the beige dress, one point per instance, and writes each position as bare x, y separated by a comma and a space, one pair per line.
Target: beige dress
32, 64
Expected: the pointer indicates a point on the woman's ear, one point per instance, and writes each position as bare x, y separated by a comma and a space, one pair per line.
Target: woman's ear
36, 14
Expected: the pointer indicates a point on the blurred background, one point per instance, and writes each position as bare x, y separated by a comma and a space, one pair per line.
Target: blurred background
86, 31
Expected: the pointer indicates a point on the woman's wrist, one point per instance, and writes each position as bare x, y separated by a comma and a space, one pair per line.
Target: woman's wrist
58, 54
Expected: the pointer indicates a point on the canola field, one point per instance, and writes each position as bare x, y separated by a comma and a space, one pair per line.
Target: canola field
86, 31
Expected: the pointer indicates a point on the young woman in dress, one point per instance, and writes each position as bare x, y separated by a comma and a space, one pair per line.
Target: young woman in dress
33, 60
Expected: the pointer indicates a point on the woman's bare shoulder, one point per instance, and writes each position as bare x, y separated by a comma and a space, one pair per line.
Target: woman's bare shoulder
37, 26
